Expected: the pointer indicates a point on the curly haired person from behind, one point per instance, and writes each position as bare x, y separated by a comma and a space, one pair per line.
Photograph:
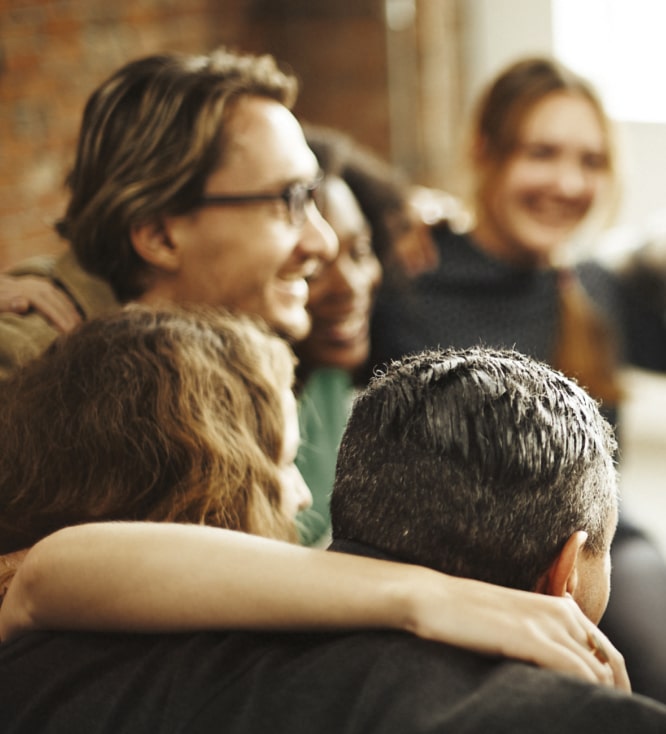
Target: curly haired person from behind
152, 415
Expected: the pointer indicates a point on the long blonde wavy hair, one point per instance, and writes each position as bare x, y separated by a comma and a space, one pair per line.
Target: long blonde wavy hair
167, 415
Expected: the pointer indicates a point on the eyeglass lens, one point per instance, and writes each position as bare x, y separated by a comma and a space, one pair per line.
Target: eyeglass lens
298, 196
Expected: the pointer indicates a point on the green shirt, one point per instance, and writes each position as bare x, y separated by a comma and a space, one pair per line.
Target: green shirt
324, 406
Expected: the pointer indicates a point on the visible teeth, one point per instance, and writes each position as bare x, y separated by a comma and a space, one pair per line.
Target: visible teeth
310, 269
555, 213
350, 328
295, 287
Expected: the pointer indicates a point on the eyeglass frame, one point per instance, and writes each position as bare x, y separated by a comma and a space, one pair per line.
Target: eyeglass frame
290, 194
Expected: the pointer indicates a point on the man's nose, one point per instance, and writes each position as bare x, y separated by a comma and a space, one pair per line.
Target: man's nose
318, 238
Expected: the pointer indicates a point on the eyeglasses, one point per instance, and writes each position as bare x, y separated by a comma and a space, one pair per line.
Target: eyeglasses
296, 196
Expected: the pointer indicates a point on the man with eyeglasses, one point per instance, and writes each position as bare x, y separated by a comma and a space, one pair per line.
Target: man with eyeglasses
192, 183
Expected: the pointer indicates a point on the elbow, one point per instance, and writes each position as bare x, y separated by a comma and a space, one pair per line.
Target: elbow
16, 612
19, 612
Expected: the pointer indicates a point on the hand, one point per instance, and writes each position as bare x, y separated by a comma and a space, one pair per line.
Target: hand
20, 294
551, 632
433, 206
415, 251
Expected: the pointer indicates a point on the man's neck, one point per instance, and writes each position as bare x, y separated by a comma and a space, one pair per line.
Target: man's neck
157, 295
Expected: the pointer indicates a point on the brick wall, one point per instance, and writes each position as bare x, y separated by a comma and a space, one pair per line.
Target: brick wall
338, 51
54, 53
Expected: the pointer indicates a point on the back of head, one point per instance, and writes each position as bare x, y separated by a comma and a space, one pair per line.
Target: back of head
150, 136
147, 415
477, 463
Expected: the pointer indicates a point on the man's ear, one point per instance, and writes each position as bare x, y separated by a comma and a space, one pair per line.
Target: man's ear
562, 576
152, 243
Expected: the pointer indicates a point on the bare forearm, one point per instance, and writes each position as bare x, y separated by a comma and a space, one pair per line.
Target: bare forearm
155, 577
163, 577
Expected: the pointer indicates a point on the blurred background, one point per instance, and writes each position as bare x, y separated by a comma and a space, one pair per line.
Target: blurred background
398, 75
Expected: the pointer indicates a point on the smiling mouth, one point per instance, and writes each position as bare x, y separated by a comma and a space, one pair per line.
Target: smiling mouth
554, 214
345, 330
296, 284
295, 288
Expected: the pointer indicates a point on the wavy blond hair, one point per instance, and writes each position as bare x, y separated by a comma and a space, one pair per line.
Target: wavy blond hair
163, 415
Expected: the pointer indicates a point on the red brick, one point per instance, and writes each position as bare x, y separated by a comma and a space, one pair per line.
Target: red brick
55, 52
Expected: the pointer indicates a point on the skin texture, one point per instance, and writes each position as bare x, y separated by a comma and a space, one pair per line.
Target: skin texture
296, 494
593, 579
582, 575
548, 185
593, 587
342, 292
197, 256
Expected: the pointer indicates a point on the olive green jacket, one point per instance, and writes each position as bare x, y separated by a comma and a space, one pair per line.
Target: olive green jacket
25, 336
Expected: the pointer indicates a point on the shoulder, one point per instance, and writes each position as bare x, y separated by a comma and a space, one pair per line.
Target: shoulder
22, 337
553, 702
603, 286
25, 336
444, 688
92, 295
297, 679
40, 265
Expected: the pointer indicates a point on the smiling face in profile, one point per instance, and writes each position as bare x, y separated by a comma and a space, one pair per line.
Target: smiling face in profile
251, 256
342, 292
